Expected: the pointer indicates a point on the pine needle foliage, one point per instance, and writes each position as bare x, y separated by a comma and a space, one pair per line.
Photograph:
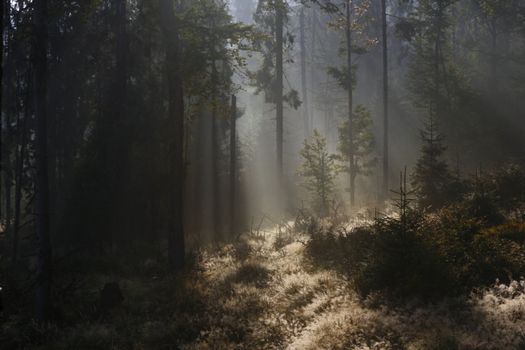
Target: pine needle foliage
431, 177
363, 144
318, 170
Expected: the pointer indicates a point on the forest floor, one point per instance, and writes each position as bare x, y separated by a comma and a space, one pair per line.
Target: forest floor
264, 292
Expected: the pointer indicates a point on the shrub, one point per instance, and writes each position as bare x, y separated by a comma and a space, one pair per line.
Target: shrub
398, 259
426, 255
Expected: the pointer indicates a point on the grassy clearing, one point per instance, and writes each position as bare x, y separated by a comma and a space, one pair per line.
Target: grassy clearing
265, 292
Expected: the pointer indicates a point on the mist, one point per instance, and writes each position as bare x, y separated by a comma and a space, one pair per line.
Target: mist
262, 174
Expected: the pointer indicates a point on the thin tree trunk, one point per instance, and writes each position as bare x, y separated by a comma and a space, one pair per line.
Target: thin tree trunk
350, 102
312, 62
279, 23
493, 81
43, 273
117, 148
438, 60
19, 179
233, 166
6, 132
217, 222
1, 92
385, 100
304, 91
169, 23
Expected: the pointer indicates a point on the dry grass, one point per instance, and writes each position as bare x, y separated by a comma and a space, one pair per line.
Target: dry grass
259, 295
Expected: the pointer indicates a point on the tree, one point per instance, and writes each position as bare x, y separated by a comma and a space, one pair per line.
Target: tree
43, 274
114, 155
279, 88
319, 171
360, 140
349, 123
233, 166
384, 42
1, 89
350, 19
304, 91
270, 18
430, 75
170, 30
499, 17
431, 177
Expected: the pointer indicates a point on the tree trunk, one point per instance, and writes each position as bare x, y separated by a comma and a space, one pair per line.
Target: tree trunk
43, 269
438, 60
233, 166
21, 155
304, 91
493, 81
351, 168
385, 100
1, 92
279, 23
117, 147
6, 132
312, 62
217, 217
169, 23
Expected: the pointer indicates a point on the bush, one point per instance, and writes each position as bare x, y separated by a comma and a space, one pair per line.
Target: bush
398, 259
512, 230
425, 255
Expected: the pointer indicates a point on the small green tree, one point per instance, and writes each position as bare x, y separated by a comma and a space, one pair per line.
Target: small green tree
319, 171
431, 178
360, 149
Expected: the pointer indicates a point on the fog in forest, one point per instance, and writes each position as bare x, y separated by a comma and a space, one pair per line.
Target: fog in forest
262, 174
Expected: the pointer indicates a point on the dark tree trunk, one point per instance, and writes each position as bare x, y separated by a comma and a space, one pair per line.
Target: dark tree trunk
21, 156
6, 129
43, 273
385, 100
217, 217
313, 45
279, 24
233, 166
304, 91
118, 131
493, 81
169, 23
351, 165
1, 92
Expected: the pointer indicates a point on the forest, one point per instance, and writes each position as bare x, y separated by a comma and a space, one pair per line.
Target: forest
262, 174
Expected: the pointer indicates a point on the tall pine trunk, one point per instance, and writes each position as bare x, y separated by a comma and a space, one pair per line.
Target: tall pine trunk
385, 100
6, 130
304, 91
43, 268
313, 46
116, 147
233, 166
21, 156
279, 24
351, 165
217, 217
1, 93
170, 29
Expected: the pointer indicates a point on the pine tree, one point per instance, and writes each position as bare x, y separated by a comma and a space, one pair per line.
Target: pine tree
360, 140
319, 171
43, 269
176, 239
349, 17
431, 177
271, 20
384, 42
